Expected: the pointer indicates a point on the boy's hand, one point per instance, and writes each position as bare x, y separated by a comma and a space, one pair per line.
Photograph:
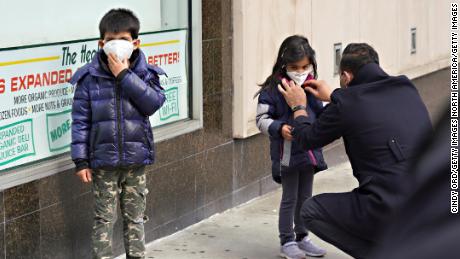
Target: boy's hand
115, 65
85, 175
286, 132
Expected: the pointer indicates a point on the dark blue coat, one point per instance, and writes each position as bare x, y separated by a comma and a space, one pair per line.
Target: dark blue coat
110, 116
272, 113
382, 120
425, 227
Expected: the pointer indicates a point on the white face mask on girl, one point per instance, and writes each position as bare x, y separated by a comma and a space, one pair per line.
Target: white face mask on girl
121, 48
299, 78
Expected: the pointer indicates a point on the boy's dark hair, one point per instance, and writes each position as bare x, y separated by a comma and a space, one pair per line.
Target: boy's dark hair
119, 20
293, 49
356, 55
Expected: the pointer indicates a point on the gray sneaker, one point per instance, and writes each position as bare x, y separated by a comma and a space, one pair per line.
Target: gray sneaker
291, 250
311, 249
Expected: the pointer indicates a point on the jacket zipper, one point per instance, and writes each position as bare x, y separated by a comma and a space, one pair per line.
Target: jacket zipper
118, 106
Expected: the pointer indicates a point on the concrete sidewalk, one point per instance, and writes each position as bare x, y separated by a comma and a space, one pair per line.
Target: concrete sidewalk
249, 231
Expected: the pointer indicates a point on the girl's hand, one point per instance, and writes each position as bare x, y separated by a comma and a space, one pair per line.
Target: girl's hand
286, 132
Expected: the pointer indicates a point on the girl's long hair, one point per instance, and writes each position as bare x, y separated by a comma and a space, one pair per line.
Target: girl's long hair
293, 49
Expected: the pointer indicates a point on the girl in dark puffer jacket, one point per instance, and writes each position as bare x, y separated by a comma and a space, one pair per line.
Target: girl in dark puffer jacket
292, 166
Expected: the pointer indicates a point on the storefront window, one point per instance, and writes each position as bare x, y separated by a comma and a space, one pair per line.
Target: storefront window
38, 55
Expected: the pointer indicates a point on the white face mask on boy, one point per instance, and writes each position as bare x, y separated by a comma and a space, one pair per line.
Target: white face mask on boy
121, 48
299, 78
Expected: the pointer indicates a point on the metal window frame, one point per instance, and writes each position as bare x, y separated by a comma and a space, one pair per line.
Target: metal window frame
413, 40
337, 47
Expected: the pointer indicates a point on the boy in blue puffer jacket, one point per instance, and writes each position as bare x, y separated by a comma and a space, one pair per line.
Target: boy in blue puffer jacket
112, 139
292, 166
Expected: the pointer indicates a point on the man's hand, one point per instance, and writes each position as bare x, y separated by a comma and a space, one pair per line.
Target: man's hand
293, 93
320, 89
115, 65
286, 132
85, 175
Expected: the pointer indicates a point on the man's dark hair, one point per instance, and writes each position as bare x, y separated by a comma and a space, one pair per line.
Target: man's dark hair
356, 55
119, 20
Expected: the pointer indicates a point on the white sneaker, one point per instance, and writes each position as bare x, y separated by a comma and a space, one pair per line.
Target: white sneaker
291, 250
310, 249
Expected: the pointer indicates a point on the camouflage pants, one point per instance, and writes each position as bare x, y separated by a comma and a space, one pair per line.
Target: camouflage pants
129, 185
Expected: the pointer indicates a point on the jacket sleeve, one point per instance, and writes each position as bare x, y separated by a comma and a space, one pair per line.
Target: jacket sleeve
326, 128
265, 117
147, 96
81, 124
